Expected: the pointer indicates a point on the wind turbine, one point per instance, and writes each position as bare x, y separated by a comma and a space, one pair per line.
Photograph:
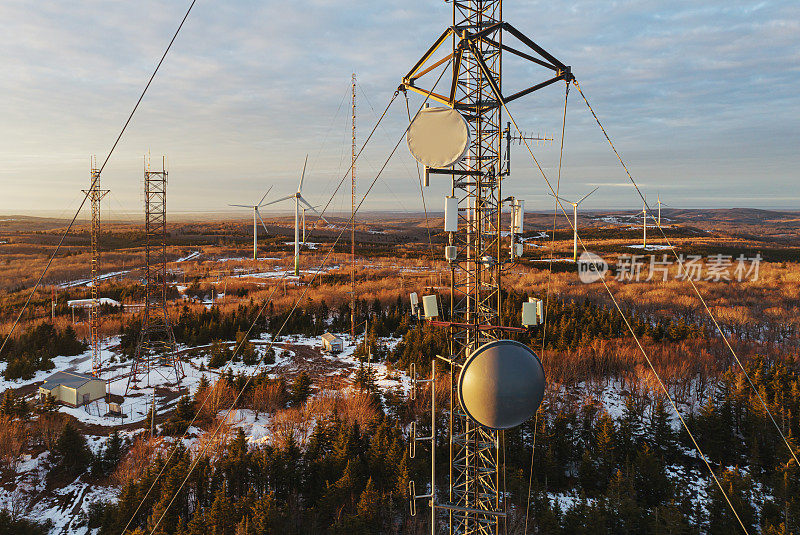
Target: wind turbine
659, 208
644, 223
298, 198
256, 217
575, 220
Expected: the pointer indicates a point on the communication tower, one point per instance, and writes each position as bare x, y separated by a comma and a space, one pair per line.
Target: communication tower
155, 349
353, 222
95, 196
473, 501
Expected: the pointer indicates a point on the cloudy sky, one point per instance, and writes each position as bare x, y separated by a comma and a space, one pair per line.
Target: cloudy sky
700, 97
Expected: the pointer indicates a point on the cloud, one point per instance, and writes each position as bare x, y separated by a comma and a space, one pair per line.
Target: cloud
699, 98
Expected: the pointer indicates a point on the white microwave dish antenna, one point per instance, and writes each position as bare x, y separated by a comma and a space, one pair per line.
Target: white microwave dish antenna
438, 137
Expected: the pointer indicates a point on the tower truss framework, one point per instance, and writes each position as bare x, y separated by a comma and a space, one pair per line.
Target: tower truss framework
353, 155
472, 503
156, 348
95, 196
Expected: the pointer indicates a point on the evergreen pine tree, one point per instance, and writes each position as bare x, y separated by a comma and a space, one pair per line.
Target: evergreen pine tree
23, 409
300, 388
220, 519
721, 520
8, 407
71, 454
660, 432
49, 404
184, 410
267, 517
650, 480
630, 430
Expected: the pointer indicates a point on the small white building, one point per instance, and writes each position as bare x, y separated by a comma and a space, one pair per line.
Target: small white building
332, 343
73, 388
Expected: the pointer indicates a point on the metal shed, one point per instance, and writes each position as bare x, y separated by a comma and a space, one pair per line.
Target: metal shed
332, 343
73, 388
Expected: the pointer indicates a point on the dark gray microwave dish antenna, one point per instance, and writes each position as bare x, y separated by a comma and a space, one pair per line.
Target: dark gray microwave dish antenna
501, 384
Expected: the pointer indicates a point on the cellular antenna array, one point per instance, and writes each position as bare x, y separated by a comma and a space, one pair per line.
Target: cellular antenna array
495, 383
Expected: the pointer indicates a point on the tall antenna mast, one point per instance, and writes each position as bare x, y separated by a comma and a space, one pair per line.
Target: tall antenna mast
95, 196
474, 500
353, 222
156, 348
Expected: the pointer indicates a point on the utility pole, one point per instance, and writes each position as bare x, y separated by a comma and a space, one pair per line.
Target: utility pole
473, 502
353, 222
95, 196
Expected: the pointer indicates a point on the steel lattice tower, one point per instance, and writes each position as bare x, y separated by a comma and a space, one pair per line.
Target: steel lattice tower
475, 280
95, 196
155, 349
353, 221
474, 502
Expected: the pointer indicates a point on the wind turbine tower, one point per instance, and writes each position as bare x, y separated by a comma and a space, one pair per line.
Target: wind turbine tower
256, 218
298, 199
644, 224
575, 221
95, 196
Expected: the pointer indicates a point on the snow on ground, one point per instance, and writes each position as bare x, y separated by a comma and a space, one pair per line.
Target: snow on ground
384, 378
538, 236
79, 363
66, 508
284, 273
257, 430
190, 256
308, 244
650, 247
87, 303
567, 501
88, 282
245, 258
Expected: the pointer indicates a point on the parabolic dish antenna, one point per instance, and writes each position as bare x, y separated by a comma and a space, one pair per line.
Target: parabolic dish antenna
438, 137
501, 384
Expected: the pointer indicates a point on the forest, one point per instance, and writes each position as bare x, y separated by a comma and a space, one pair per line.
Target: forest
339, 463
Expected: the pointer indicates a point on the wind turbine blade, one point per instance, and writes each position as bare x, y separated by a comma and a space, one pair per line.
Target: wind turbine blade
264, 197
302, 176
242, 205
278, 200
302, 200
262, 221
560, 198
584, 197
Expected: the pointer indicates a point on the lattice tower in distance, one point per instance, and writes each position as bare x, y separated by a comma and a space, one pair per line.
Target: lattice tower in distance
156, 348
